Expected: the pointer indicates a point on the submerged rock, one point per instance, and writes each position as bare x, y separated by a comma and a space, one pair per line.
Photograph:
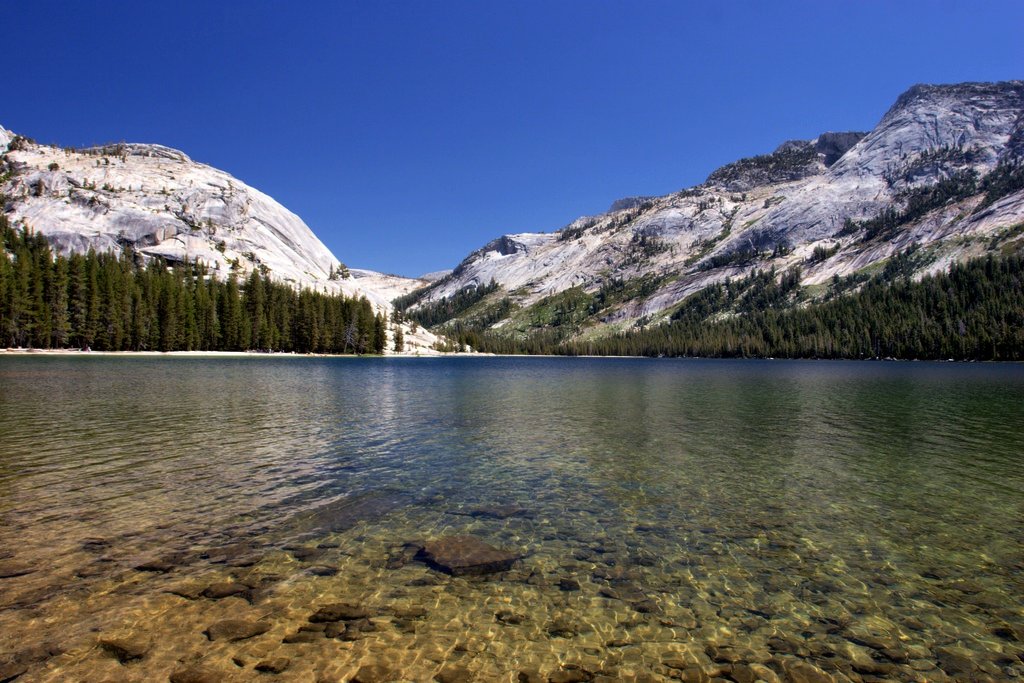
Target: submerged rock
500, 511
404, 555
322, 570
10, 569
799, 671
956, 661
93, 570
273, 666
343, 514
373, 673
570, 674
569, 585
509, 618
233, 555
303, 554
349, 630
14, 665
189, 591
11, 670
338, 611
412, 612
162, 565
236, 629
646, 606
196, 674
454, 674
465, 556
95, 545
125, 649
226, 589
562, 627
335, 629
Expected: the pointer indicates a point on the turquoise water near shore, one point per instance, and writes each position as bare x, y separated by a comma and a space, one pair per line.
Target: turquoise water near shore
676, 519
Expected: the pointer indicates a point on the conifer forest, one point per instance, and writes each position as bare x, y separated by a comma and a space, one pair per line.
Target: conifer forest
115, 302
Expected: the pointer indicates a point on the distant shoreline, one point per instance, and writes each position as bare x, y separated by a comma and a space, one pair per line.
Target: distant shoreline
79, 353
21, 352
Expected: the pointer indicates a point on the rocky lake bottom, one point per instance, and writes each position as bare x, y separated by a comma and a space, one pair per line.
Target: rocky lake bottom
510, 520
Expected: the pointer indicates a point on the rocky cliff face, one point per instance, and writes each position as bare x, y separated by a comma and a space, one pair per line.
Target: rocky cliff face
162, 203
930, 161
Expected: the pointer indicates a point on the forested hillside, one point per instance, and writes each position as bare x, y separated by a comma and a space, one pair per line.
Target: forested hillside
973, 311
115, 302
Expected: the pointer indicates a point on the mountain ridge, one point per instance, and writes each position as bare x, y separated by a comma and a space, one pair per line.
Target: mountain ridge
928, 165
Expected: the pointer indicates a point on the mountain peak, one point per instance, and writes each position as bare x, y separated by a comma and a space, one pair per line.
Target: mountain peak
981, 93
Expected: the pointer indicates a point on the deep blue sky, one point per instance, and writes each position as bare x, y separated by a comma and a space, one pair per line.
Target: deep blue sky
407, 134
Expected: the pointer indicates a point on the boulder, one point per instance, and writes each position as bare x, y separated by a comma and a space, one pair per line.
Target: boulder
465, 556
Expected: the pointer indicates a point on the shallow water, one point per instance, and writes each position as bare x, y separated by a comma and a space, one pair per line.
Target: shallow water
747, 520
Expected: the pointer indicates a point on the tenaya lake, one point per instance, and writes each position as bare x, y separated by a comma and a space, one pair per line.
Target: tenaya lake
509, 519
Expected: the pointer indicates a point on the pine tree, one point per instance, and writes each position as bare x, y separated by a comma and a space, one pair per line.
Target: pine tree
57, 299
255, 303
380, 333
231, 314
18, 303
92, 300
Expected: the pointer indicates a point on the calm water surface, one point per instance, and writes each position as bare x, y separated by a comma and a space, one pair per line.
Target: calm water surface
805, 521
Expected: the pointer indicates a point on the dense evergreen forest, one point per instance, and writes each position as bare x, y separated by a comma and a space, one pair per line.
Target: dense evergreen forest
975, 310
444, 309
115, 302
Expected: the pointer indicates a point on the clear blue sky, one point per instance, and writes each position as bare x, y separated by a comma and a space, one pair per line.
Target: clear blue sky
407, 134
